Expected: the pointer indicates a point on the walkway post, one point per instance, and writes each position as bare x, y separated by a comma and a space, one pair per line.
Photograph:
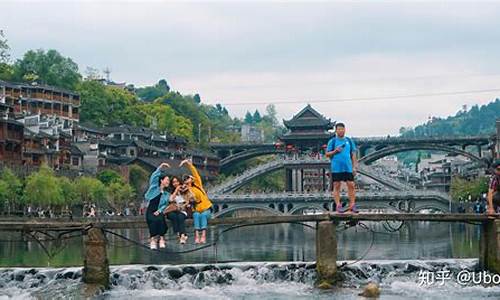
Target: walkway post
326, 254
95, 259
489, 247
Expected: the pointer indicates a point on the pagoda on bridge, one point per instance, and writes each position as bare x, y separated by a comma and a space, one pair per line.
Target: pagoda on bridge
308, 134
307, 130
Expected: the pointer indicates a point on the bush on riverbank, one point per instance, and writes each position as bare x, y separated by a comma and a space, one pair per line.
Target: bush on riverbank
45, 190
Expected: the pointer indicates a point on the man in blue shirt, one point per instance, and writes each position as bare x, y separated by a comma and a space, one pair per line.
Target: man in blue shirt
342, 152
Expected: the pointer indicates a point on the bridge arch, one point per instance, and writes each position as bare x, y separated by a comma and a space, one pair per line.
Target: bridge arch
435, 207
406, 205
246, 154
373, 156
301, 207
235, 207
266, 168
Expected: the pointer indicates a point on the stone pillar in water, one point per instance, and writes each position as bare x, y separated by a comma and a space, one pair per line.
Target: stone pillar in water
95, 260
489, 249
326, 254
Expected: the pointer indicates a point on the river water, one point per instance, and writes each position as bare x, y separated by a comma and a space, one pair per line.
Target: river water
263, 262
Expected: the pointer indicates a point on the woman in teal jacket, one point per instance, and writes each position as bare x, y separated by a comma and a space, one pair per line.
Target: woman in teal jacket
157, 198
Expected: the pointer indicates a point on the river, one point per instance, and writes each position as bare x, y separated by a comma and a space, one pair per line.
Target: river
262, 262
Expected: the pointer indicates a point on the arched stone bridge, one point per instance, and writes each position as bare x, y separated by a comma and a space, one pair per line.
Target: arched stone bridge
248, 154
376, 148
295, 203
389, 150
237, 182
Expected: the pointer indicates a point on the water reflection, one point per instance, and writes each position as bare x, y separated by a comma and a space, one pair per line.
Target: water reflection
281, 242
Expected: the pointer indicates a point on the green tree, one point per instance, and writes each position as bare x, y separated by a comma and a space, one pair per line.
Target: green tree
4, 194
119, 102
197, 98
13, 191
109, 176
118, 195
220, 121
94, 107
164, 118
6, 70
271, 115
461, 188
4, 49
48, 67
69, 191
43, 189
90, 190
151, 93
257, 118
477, 120
105, 105
248, 118
138, 178
187, 107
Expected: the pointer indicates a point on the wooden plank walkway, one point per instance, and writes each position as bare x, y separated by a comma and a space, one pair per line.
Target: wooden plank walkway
63, 224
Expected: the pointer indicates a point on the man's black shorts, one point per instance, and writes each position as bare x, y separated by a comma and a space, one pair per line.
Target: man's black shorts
342, 176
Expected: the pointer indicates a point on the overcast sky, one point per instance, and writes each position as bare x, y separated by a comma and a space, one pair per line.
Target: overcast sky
265, 52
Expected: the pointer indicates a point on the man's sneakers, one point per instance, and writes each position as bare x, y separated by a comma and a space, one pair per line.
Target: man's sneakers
353, 209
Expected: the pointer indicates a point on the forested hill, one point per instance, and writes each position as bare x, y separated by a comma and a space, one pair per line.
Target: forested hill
478, 120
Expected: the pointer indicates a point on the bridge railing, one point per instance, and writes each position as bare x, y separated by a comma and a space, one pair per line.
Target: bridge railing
422, 139
280, 195
482, 138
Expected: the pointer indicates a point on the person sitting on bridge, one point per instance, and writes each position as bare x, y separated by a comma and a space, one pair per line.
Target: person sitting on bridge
157, 197
342, 152
494, 190
202, 205
179, 207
